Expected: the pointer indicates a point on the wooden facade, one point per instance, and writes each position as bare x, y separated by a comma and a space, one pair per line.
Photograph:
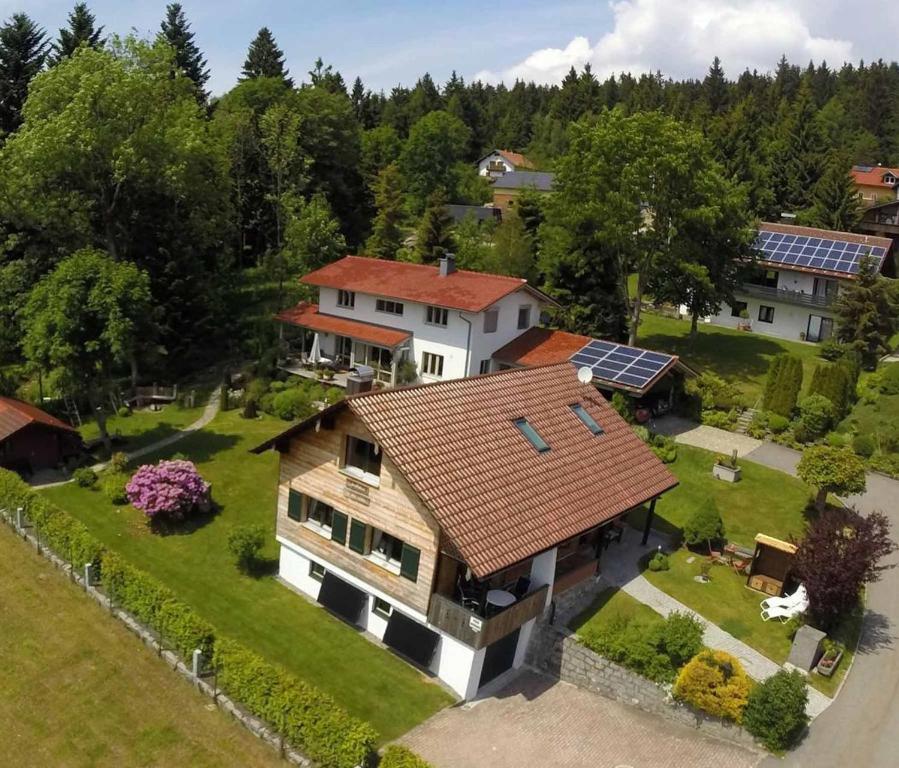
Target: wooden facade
312, 465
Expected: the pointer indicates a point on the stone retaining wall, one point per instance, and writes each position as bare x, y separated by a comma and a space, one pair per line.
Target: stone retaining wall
556, 651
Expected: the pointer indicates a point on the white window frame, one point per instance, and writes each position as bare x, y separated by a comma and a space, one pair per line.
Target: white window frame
485, 366
438, 316
379, 558
356, 472
527, 323
766, 306
491, 314
320, 528
432, 365
314, 569
389, 307
346, 299
377, 610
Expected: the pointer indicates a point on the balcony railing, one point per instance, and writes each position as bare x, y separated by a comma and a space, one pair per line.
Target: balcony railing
477, 631
787, 296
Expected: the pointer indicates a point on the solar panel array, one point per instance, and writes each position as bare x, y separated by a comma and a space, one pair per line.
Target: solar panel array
815, 252
620, 364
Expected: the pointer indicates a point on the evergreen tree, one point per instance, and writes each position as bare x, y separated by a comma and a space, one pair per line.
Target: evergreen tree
783, 385
513, 249
867, 312
325, 77
265, 59
23, 50
715, 87
175, 30
434, 235
82, 29
387, 234
835, 202
800, 157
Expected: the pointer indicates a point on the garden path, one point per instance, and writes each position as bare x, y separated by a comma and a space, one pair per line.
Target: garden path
621, 568
701, 436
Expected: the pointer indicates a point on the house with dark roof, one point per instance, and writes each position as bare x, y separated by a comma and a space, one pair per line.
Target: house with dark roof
32, 439
501, 161
444, 519
798, 277
509, 187
382, 314
875, 183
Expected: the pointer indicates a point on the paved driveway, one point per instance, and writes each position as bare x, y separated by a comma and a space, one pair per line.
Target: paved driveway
536, 722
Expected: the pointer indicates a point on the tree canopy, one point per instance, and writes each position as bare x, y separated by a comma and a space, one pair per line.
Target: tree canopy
175, 30
82, 29
265, 58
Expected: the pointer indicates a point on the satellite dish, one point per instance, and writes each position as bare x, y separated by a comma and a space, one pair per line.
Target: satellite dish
585, 374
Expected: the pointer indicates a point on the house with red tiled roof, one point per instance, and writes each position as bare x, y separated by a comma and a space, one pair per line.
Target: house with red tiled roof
434, 322
32, 439
444, 519
875, 183
501, 161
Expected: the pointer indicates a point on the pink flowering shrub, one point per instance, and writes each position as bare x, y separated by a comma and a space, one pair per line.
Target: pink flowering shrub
168, 489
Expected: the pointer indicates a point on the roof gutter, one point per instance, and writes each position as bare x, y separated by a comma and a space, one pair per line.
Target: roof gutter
467, 343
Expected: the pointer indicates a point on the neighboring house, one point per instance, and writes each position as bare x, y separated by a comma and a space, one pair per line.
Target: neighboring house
881, 220
501, 161
876, 184
443, 519
31, 439
508, 187
481, 213
381, 313
652, 379
798, 278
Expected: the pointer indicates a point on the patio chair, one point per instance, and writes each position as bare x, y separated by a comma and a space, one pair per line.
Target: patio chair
467, 597
788, 601
521, 587
784, 614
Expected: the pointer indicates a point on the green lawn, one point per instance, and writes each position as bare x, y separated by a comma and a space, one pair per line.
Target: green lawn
144, 426
262, 613
764, 501
609, 605
79, 690
726, 601
740, 357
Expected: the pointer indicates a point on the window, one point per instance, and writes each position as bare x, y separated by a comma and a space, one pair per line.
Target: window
382, 608
431, 364
363, 457
485, 366
320, 514
531, 434
346, 299
491, 320
586, 418
766, 314
386, 548
738, 308
390, 307
437, 316
524, 317
316, 570
295, 505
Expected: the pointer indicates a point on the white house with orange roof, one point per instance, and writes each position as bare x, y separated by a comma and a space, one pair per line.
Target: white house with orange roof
501, 161
875, 183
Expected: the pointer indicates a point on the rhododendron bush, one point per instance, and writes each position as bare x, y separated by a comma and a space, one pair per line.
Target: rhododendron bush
168, 489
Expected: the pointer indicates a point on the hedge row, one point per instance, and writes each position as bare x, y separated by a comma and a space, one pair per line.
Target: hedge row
307, 718
398, 756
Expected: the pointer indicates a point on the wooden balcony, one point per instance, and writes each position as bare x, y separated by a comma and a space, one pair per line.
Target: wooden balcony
787, 296
478, 631
573, 570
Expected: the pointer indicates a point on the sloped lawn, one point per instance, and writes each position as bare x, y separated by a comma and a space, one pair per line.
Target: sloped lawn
262, 613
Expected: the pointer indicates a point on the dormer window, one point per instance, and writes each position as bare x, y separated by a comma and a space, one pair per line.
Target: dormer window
888, 178
586, 419
531, 435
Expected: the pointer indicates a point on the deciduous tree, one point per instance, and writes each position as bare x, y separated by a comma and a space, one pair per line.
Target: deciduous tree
435, 145
831, 470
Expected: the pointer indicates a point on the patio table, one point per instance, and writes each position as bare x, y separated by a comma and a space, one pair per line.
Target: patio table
500, 598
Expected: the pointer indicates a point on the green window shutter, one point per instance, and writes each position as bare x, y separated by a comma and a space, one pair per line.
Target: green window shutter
338, 527
357, 537
409, 563
295, 505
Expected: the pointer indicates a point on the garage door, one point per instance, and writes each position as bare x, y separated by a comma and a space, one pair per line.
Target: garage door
410, 638
499, 658
342, 598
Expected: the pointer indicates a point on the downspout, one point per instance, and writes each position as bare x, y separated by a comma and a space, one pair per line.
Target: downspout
467, 343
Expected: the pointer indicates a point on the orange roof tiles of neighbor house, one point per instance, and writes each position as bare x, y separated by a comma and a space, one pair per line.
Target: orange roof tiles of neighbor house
515, 159
307, 316
464, 290
872, 176
15, 415
541, 346
497, 499
828, 234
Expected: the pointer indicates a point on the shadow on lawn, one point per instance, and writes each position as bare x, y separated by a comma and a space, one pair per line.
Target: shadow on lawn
200, 447
194, 522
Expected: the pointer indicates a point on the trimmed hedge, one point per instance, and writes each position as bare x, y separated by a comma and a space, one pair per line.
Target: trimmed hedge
397, 756
309, 719
783, 384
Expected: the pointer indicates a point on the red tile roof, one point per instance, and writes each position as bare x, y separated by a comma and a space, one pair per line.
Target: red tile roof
15, 415
464, 290
515, 159
872, 176
497, 499
541, 346
307, 316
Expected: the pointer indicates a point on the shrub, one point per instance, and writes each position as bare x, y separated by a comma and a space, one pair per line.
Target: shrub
704, 526
777, 423
832, 382
397, 756
713, 391
836, 439
245, 543
85, 477
714, 681
643, 433
278, 386
659, 562
801, 432
334, 395
292, 404
250, 409
168, 489
889, 379
783, 384
832, 350
118, 462
309, 719
624, 405
719, 419
863, 444
665, 448
406, 372
775, 711
124, 412
681, 637
817, 414
113, 487
256, 390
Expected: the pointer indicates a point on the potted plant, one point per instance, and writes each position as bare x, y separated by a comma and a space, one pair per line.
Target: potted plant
744, 324
726, 468
830, 659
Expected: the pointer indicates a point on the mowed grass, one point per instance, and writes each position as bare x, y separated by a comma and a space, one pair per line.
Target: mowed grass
609, 606
764, 501
144, 426
368, 681
740, 357
78, 689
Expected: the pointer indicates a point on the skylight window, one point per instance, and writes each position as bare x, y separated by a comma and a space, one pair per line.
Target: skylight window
588, 421
530, 433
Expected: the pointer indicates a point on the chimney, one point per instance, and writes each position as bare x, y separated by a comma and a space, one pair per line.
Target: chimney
447, 264
360, 380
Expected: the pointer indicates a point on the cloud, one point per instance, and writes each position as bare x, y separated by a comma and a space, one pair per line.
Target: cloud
680, 38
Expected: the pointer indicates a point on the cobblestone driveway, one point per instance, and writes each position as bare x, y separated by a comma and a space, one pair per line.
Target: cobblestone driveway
539, 723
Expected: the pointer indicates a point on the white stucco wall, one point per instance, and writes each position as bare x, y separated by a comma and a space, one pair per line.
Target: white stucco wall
790, 320
543, 571
493, 158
